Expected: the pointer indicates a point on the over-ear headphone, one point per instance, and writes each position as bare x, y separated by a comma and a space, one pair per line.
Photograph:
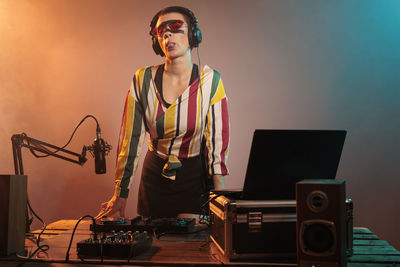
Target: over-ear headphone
194, 32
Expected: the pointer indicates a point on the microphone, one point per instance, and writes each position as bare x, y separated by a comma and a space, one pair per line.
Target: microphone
99, 149
99, 155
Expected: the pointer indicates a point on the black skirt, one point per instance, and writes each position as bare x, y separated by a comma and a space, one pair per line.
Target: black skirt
163, 197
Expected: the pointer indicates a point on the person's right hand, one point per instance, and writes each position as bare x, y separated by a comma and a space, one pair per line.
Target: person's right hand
114, 205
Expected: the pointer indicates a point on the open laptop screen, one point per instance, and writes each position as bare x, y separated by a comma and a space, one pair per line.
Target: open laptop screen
280, 158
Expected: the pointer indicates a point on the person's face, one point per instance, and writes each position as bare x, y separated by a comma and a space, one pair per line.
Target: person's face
172, 34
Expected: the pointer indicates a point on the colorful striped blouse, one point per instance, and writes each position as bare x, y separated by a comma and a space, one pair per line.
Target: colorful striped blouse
176, 132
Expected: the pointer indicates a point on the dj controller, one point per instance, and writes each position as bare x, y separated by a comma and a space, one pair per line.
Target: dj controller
127, 238
155, 226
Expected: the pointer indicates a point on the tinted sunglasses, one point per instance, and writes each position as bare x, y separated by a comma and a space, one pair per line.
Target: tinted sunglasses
174, 26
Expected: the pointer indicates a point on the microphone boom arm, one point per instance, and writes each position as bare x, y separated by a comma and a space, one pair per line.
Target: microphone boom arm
22, 140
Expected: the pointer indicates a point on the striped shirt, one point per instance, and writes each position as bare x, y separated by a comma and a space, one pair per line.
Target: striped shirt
201, 112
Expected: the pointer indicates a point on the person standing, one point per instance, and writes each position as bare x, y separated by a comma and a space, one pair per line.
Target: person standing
183, 107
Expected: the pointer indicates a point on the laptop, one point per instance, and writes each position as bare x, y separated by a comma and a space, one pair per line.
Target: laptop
280, 158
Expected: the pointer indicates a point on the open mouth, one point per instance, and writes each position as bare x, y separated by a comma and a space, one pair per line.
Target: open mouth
171, 45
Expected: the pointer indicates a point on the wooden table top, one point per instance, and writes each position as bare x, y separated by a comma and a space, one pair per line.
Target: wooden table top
181, 250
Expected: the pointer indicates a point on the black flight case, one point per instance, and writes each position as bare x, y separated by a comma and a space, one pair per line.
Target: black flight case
253, 229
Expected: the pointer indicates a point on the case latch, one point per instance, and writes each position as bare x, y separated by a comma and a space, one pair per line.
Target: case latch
254, 221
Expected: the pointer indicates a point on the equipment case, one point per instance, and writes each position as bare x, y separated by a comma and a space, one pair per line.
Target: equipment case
253, 229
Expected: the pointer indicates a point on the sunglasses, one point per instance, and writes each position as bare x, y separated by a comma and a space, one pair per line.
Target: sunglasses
173, 26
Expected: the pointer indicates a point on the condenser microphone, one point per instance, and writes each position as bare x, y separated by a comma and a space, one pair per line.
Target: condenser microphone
99, 149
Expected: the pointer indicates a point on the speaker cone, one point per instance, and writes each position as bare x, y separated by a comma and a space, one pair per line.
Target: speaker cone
317, 201
317, 237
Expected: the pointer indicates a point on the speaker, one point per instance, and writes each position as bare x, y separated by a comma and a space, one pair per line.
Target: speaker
13, 192
321, 223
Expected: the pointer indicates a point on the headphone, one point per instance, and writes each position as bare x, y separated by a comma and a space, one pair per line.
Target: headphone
194, 33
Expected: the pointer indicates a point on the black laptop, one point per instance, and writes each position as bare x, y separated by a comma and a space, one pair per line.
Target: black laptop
280, 158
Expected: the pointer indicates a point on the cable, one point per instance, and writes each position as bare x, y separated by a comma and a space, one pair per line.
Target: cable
30, 257
33, 212
203, 218
73, 233
40, 248
48, 152
40, 234
201, 91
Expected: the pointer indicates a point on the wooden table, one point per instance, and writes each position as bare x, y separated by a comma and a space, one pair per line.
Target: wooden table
183, 250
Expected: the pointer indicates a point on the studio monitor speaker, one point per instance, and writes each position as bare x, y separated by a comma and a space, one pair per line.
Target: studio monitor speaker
13, 191
321, 223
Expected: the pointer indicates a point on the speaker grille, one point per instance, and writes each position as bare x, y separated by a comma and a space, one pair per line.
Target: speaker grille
318, 237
